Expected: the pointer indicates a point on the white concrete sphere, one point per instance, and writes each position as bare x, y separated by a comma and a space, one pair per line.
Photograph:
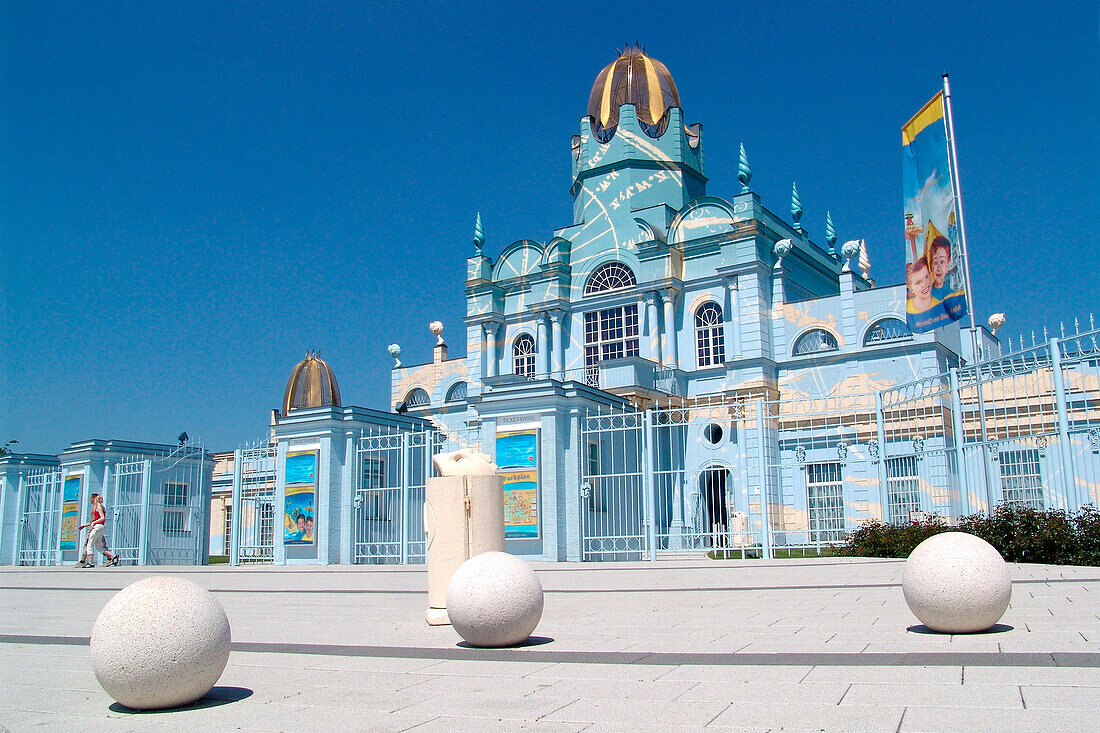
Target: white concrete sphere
161, 642
494, 599
956, 583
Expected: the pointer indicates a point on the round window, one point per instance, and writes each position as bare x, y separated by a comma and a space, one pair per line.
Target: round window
713, 433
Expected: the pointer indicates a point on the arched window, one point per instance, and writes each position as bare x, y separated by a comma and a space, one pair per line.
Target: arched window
886, 329
523, 356
611, 276
815, 342
457, 392
417, 398
710, 343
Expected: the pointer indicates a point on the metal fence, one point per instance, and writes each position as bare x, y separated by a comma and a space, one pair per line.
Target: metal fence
252, 530
753, 476
40, 518
391, 468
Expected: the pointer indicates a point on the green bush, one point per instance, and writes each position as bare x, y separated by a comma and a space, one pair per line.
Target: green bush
1020, 534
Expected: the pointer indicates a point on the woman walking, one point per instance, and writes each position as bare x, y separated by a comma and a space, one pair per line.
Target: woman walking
96, 540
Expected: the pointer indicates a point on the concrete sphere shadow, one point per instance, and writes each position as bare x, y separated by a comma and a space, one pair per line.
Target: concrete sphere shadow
217, 697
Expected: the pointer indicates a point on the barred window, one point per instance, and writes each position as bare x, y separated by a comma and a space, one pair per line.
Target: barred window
887, 329
816, 341
417, 398
709, 340
523, 356
457, 392
612, 276
825, 501
903, 488
228, 528
1021, 479
177, 518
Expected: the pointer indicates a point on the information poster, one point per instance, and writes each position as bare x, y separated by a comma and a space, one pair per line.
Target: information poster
517, 463
299, 518
70, 511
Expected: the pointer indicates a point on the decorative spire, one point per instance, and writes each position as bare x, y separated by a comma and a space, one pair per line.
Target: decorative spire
864, 261
796, 207
479, 234
830, 233
744, 172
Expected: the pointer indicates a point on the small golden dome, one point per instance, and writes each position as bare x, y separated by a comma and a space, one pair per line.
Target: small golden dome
312, 384
633, 78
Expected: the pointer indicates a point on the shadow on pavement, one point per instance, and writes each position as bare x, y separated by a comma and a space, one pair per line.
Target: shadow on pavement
216, 697
994, 629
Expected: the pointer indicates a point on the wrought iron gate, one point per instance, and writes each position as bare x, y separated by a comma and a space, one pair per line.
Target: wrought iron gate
40, 518
253, 526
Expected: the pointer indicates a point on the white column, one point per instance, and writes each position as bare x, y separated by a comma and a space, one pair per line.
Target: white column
490, 341
732, 325
668, 298
653, 326
542, 344
558, 354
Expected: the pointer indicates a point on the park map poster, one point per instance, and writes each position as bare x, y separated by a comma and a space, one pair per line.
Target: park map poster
299, 527
517, 464
70, 511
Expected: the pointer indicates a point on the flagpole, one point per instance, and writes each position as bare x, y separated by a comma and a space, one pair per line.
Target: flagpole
959, 209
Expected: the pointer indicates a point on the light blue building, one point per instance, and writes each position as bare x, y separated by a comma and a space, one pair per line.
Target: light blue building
671, 371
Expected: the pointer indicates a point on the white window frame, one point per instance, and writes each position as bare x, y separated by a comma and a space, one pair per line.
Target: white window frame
710, 341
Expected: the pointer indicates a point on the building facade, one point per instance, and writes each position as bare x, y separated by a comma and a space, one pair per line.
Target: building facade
671, 371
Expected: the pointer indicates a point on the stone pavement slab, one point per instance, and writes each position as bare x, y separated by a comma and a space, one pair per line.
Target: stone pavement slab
813, 644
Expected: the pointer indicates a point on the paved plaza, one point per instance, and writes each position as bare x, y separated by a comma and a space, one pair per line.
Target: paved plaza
800, 644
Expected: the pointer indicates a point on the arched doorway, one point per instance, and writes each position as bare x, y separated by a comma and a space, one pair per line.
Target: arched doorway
713, 484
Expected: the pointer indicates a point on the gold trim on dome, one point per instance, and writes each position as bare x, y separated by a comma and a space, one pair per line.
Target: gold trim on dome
312, 383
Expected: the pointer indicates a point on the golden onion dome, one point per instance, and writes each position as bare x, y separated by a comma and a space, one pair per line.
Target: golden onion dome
633, 78
312, 384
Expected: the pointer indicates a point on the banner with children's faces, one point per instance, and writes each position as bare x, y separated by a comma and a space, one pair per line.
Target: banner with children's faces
299, 518
70, 511
935, 290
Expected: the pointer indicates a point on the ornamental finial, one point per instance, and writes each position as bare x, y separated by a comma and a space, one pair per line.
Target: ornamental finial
395, 354
796, 207
479, 234
744, 172
830, 233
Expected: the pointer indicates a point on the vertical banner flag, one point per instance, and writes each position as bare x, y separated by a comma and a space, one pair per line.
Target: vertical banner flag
518, 463
934, 282
301, 493
70, 511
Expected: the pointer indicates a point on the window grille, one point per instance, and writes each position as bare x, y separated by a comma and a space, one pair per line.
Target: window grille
709, 340
457, 393
523, 356
267, 524
815, 341
825, 501
1021, 480
887, 329
228, 528
611, 333
418, 398
612, 276
903, 488
176, 520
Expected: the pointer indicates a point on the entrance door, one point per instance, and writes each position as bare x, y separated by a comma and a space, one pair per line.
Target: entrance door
715, 515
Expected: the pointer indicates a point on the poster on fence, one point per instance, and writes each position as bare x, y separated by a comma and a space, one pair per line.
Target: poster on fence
70, 511
936, 295
299, 518
517, 463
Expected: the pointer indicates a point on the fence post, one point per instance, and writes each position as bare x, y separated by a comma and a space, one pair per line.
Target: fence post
648, 487
235, 508
762, 474
883, 484
1063, 426
960, 439
146, 504
403, 478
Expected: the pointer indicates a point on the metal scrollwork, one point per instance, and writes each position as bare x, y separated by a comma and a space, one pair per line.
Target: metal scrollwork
918, 447
586, 490
1094, 439
872, 449
1042, 443
800, 453
842, 452
358, 502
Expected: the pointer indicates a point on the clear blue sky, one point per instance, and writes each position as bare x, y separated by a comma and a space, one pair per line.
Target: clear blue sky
193, 194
